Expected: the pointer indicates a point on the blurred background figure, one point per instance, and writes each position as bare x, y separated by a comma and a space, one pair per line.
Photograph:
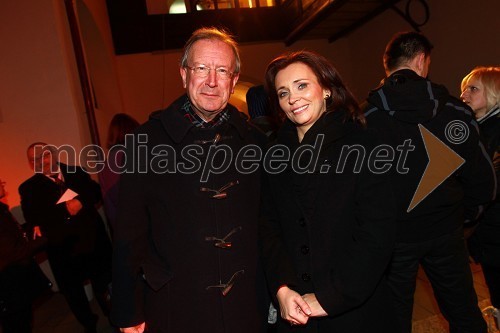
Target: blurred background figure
261, 115
78, 247
430, 231
481, 91
120, 125
21, 279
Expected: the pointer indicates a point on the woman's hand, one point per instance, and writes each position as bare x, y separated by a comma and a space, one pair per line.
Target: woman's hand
135, 329
292, 307
316, 308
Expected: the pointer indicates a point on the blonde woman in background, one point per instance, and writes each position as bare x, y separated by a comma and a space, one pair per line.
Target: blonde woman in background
481, 91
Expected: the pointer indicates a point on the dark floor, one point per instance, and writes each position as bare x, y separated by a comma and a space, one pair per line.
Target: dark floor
52, 314
426, 315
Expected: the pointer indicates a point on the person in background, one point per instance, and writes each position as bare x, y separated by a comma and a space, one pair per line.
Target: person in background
261, 114
21, 280
121, 124
78, 246
326, 235
442, 180
481, 91
185, 244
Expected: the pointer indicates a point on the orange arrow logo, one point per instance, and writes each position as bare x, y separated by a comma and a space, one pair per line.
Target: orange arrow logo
443, 161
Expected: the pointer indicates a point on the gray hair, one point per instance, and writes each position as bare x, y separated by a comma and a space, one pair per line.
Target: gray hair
211, 34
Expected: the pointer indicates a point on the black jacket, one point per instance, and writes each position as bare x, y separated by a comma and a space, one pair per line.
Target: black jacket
67, 236
165, 255
21, 280
330, 231
484, 245
406, 107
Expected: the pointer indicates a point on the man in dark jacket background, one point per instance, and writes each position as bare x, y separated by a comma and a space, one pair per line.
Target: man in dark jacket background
442, 180
185, 244
78, 246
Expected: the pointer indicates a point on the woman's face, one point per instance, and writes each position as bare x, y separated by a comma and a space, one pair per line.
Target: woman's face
473, 94
300, 96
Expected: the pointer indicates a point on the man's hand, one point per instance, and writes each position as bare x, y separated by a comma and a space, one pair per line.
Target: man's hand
135, 329
73, 206
36, 232
292, 307
316, 308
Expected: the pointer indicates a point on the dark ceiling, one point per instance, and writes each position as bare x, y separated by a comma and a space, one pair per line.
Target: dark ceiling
135, 31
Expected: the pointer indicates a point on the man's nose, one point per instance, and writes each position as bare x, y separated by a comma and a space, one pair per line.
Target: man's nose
211, 79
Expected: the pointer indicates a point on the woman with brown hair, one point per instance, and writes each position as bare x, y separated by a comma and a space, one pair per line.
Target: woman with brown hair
121, 125
327, 227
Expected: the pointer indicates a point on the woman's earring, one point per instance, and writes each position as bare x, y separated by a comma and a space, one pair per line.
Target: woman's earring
327, 96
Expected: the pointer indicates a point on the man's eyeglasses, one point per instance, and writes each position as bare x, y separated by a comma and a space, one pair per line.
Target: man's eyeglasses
203, 71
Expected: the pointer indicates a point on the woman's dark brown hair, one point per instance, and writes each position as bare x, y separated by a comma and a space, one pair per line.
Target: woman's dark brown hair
328, 77
120, 125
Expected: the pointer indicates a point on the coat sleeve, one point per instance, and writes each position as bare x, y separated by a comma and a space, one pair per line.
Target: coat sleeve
130, 244
277, 262
478, 178
360, 269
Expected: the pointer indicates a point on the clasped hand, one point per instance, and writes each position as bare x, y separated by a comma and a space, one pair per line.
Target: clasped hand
297, 309
73, 206
134, 329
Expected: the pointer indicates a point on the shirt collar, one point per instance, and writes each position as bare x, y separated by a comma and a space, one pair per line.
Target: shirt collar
177, 126
494, 111
188, 112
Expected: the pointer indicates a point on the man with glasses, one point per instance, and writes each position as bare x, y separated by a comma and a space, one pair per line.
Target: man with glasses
185, 245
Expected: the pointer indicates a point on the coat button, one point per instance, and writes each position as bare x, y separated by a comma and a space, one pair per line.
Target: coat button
304, 249
302, 222
306, 277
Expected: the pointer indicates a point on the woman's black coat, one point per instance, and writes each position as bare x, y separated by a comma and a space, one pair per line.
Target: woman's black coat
331, 231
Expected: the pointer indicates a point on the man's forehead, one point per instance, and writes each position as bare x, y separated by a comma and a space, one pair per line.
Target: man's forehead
212, 50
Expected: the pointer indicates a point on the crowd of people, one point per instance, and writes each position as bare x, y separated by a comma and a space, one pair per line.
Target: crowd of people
317, 209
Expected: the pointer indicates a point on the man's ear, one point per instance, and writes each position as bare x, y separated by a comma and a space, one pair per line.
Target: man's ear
420, 63
235, 80
183, 73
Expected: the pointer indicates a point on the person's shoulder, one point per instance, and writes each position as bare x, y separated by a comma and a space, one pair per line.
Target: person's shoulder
241, 120
29, 183
74, 172
456, 104
456, 110
65, 168
361, 134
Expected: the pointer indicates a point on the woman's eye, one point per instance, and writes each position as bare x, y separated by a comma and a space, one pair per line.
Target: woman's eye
302, 86
472, 88
282, 94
